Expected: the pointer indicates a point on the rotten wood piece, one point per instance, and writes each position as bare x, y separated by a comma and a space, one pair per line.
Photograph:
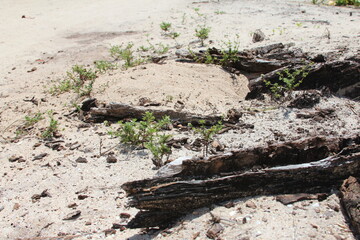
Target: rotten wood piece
350, 200
340, 77
164, 199
119, 111
292, 152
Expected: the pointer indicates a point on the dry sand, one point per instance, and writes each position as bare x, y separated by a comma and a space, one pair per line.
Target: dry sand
55, 35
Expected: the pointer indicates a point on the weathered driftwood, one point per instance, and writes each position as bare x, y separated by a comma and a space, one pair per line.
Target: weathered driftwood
163, 199
340, 77
350, 200
293, 152
118, 111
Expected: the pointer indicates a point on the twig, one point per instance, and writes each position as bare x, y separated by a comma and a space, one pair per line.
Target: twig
100, 145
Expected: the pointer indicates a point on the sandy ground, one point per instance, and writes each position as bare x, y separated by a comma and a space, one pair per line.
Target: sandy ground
37, 50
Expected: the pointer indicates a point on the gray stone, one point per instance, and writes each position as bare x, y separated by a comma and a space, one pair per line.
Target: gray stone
258, 36
81, 160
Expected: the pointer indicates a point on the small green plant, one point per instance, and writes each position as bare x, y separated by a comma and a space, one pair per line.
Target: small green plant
144, 49
165, 26
280, 30
63, 86
197, 11
209, 59
207, 134
174, 35
202, 34
159, 148
317, 1
169, 98
289, 80
103, 66
145, 134
230, 52
32, 120
75, 80
78, 77
80, 74
162, 49
137, 133
299, 24
347, 2
126, 54
219, 12
29, 122
52, 128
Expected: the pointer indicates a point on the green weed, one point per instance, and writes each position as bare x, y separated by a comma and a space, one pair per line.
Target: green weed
75, 80
137, 133
289, 80
219, 12
202, 34
144, 49
174, 35
165, 26
29, 122
207, 134
230, 52
52, 128
159, 148
126, 54
103, 66
32, 120
347, 2
162, 49
145, 134
79, 76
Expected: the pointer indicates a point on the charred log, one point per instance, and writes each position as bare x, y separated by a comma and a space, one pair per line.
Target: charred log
177, 195
341, 77
294, 152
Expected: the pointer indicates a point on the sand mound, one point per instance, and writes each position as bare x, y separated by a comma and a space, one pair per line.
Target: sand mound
201, 88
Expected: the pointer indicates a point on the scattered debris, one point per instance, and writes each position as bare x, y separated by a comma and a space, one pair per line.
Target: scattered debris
32, 70
215, 230
40, 156
81, 160
16, 158
109, 232
82, 196
121, 227
111, 159
16, 206
36, 197
73, 215
72, 205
